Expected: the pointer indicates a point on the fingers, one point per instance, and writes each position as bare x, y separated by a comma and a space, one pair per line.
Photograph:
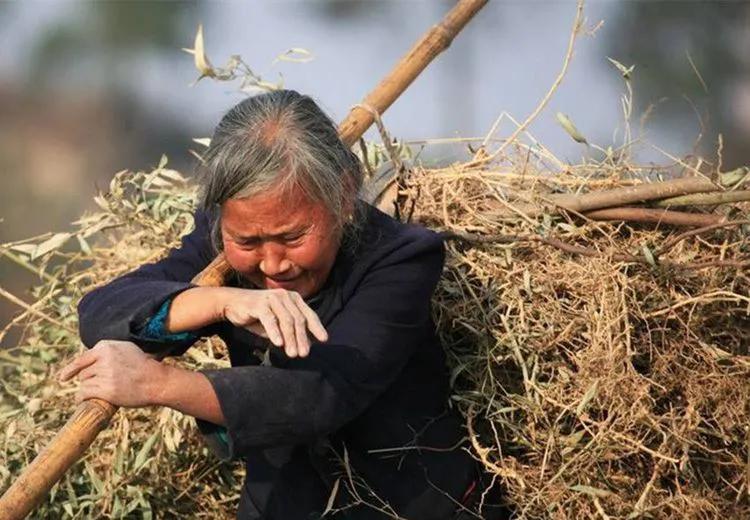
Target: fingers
257, 329
286, 324
280, 315
86, 359
270, 324
88, 372
313, 322
300, 328
294, 318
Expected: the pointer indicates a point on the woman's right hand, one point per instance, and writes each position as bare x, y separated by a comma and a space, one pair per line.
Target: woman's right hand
277, 314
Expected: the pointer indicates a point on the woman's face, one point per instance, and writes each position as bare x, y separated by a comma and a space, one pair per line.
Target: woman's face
280, 242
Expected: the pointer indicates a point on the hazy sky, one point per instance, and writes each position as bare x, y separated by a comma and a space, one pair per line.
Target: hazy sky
505, 60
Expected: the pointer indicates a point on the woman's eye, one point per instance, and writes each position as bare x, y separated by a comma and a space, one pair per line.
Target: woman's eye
248, 244
295, 241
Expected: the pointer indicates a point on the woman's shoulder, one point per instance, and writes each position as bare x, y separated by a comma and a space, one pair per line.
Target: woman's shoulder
384, 239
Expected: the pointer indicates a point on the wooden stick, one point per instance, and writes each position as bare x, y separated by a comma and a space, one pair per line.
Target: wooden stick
633, 194
92, 416
659, 216
435, 41
615, 198
705, 199
89, 418
50, 464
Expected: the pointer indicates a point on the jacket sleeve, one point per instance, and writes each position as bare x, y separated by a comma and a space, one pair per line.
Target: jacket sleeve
370, 341
121, 309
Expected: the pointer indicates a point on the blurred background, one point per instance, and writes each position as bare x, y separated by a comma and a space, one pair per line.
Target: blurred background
91, 88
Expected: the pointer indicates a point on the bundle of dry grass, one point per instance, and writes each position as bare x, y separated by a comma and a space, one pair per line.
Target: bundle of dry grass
149, 462
603, 368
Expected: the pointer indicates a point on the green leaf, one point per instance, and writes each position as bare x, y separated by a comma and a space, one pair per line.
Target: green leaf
296, 55
27, 249
57, 240
95, 480
332, 497
650, 258
171, 174
733, 177
116, 508
587, 397
200, 59
570, 128
101, 202
625, 71
142, 456
163, 160
83, 245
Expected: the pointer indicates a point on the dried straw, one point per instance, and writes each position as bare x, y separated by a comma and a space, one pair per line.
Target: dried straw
602, 368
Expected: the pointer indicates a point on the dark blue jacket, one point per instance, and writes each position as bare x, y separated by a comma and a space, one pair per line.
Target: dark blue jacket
372, 399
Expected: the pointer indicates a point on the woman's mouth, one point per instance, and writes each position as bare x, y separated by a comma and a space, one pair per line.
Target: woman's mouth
280, 283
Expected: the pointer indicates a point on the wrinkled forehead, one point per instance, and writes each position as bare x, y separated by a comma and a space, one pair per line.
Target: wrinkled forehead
274, 212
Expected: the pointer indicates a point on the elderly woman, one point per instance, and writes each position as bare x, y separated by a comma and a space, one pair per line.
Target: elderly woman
327, 320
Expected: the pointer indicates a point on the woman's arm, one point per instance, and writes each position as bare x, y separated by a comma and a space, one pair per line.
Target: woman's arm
194, 309
120, 309
371, 340
190, 393
121, 373
277, 314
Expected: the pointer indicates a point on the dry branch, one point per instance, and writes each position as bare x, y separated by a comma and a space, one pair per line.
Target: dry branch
656, 216
705, 199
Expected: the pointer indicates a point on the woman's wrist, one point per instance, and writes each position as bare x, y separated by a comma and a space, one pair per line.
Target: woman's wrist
195, 308
184, 390
219, 296
158, 378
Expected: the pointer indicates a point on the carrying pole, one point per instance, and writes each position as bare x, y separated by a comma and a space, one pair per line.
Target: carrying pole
93, 415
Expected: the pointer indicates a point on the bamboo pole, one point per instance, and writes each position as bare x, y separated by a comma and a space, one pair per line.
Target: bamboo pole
92, 416
435, 41
70, 443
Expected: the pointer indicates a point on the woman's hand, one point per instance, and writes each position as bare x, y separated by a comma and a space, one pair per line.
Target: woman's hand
277, 314
118, 372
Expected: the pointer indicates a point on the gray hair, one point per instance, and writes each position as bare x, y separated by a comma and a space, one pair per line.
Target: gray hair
282, 140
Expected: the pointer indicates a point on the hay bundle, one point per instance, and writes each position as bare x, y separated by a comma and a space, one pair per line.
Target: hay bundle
603, 368
150, 461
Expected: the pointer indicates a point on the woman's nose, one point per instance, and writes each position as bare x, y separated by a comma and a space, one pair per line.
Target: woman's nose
274, 261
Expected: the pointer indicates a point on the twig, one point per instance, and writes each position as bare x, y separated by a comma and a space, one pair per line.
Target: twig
26, 265
633, 194
32, 310
659, 216
566, 61
669, 244
726, 296
12, 323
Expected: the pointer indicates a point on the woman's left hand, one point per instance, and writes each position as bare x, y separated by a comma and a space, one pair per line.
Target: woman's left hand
118, 372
